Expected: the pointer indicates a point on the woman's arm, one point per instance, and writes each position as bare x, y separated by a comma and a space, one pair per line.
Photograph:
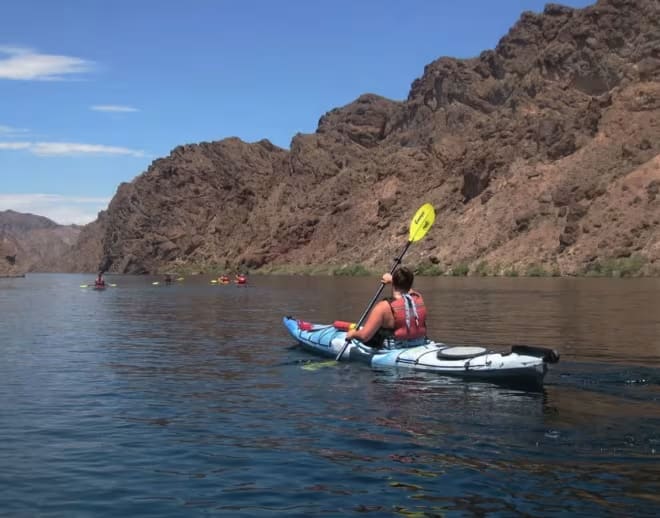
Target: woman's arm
374, 323
376, 318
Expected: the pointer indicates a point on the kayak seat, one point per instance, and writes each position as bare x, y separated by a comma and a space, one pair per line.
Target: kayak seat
460, 352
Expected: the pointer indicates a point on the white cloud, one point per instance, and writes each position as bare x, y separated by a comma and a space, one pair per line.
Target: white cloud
65, 210
25, 64
14, 145
114, 108
70, 148
8, 131
73, 148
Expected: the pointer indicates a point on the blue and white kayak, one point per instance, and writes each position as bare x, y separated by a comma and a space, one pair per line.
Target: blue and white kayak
523, 364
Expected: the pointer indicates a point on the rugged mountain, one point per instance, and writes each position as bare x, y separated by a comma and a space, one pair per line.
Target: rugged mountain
33, 243
541, 153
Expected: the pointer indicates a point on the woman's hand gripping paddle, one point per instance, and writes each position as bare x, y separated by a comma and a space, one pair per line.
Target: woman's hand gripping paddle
419, 226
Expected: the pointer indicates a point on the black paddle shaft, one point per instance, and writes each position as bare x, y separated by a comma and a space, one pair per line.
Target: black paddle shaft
397, 262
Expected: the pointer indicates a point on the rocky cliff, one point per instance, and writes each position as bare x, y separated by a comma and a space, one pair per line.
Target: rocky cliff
541, 153
33, 243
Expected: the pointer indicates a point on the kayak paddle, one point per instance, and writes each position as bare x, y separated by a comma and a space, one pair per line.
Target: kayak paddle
419, 226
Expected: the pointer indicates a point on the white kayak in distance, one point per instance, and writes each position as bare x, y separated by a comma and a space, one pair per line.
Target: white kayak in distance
522, 365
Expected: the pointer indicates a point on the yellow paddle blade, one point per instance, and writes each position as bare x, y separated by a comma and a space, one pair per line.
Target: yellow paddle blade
421, 222
314, 366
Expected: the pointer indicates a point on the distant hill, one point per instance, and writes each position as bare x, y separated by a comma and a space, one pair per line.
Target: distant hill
541, 155
33, 243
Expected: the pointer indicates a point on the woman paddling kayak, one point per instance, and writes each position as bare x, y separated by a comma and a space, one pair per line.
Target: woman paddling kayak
397, 321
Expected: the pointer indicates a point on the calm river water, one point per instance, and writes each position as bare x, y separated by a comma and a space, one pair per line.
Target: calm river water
191, 399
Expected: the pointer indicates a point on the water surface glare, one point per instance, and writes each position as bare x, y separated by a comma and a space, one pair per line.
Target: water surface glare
191, 399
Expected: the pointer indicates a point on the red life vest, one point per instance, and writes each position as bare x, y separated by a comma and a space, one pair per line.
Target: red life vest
409, 314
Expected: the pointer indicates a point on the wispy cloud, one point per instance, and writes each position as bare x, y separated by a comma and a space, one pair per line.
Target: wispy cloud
65, 210
70, 149
114, 108
25, 64
73, 148
8, 131
14, 145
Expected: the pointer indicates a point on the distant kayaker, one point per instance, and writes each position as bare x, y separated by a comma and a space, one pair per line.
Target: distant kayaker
240, 279
100, 281
168, 278
400, 319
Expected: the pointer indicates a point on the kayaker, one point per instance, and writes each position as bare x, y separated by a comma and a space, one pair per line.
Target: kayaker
100, 281
400, 319
168, 279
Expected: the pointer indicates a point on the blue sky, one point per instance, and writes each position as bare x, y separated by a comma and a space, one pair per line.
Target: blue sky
92, 91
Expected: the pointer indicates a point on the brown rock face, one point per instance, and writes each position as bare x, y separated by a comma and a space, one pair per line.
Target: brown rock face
31, 243
204, 204
543, 151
